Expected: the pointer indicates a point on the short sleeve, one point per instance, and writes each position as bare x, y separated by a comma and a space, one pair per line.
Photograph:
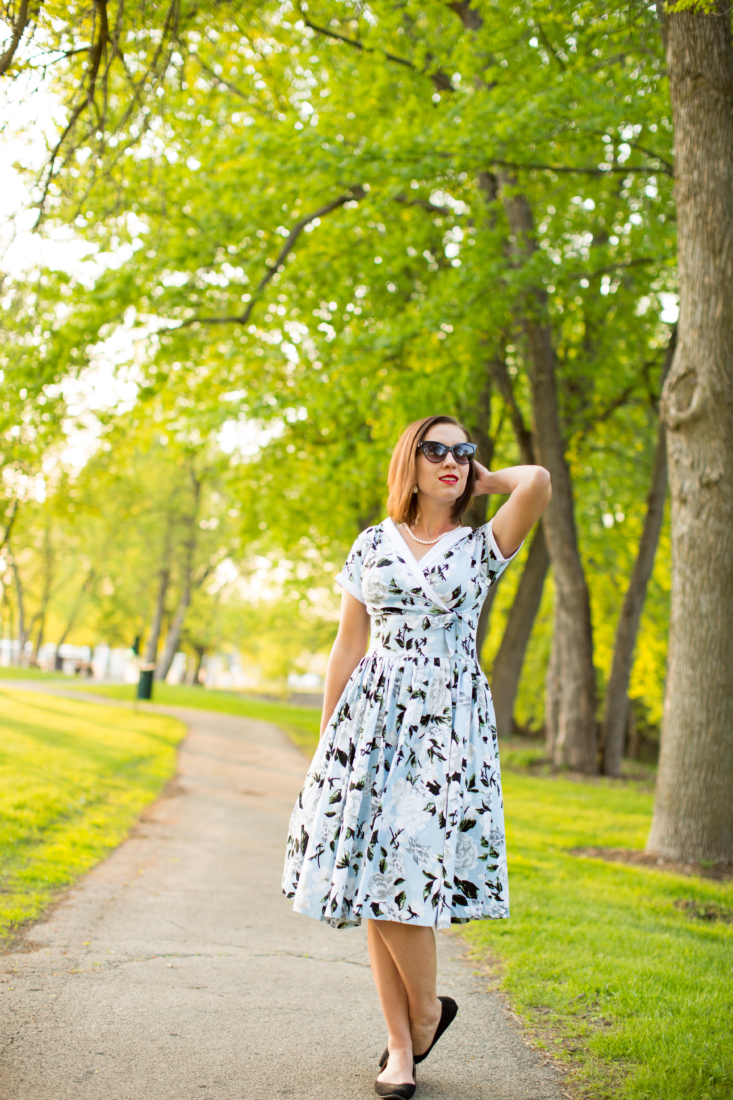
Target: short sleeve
494, 562
350, 576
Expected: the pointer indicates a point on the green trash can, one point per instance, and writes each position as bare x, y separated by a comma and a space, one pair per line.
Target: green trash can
145, 683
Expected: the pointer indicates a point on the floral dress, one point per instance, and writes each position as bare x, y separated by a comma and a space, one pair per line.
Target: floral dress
401, 815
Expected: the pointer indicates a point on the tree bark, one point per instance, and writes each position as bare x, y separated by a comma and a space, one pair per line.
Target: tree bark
480, 424
616, 704
151, 649
552, 686
46, 596
507, 668
693, 814
7, 616
575, 742
522, 434
174, 632
22, 633
9, 525
200, 651
475, 517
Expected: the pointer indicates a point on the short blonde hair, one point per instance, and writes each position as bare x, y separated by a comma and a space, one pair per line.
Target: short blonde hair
402, 502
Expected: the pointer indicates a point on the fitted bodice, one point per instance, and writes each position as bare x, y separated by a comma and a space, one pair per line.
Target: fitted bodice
426, 608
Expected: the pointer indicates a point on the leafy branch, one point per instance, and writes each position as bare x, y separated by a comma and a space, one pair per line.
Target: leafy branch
354, 42
357, 192
9, 525
106, 44
624, 169
440, 79
618, 265
424, 204
95, 60
28, 12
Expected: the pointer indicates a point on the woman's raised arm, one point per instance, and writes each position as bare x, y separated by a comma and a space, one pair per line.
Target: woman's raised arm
530, 492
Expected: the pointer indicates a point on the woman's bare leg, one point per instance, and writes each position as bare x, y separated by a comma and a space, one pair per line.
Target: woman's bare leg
395, 1006
404, 965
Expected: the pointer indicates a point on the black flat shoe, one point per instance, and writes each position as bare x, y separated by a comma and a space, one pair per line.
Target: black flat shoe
447, 1016
396, 1092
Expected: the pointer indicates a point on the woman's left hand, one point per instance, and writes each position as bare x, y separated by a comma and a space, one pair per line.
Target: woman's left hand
483, 482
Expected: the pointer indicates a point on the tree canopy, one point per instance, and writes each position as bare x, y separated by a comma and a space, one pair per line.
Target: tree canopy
300, 229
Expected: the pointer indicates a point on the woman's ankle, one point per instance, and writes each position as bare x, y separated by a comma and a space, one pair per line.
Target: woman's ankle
425, 1016
399, 1048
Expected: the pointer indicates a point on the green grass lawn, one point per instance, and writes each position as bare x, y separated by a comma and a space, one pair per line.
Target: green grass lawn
13, 673
634, 994
74, 778
302, 724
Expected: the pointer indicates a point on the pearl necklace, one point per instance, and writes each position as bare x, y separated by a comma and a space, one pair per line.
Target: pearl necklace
428, 542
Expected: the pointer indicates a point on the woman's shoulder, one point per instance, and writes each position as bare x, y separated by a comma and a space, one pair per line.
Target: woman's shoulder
375, 530
370, 537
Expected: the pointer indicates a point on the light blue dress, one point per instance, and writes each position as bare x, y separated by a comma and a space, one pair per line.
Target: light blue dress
401, 815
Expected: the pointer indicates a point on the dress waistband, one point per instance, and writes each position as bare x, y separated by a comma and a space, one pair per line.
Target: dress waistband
423, 654
448, 636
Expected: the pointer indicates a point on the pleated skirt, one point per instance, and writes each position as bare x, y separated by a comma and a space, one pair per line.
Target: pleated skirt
401, 814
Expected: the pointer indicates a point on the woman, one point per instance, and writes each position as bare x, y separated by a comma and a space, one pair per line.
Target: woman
400, 820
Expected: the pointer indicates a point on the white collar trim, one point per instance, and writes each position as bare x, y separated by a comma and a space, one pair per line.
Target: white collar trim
417, 567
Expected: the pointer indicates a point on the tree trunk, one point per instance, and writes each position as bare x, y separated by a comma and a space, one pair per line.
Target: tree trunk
616, 705
510, 658
22, 633
475, 517
576, 738
521, 433
693, 814
480, 424
575, 743
9, 525
8, 617
632, 735
47, 583
552, 687
507, 668
151, 649
174, 631
200, 651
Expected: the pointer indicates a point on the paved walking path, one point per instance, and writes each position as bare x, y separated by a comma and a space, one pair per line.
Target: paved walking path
176, 968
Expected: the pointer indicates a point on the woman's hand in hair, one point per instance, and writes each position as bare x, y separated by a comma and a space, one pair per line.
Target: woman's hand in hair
482, 485
499, 482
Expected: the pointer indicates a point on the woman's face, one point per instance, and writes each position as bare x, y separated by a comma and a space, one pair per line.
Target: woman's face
444, 481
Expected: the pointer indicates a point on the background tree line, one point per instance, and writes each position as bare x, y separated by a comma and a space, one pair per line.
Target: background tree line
329, 220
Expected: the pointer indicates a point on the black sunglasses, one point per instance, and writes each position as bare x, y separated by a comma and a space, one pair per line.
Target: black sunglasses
436, 452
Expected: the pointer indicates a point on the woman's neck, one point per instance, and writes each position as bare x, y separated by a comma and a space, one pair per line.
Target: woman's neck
432, 522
